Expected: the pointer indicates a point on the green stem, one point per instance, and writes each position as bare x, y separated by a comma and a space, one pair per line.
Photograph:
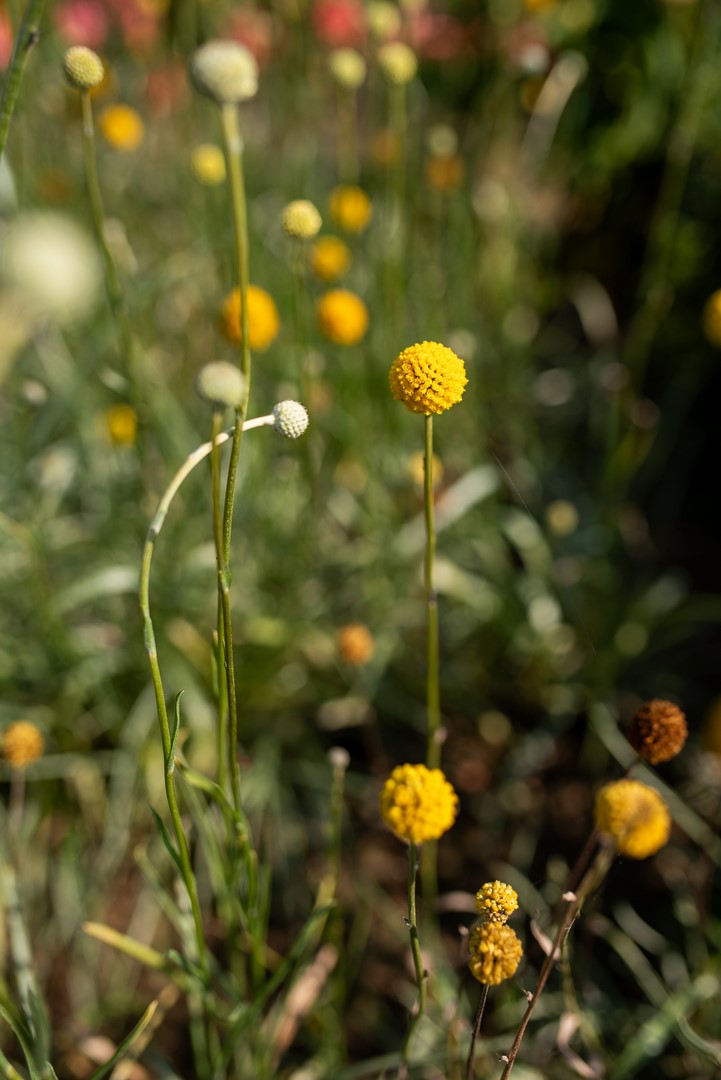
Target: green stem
25, 38
475, 1033
421, 973
347, 136
433, 694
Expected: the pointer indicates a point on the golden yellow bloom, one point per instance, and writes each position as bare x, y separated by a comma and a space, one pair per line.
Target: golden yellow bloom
712, 318
634, 816
658, 731
122, 423
496, 952
21, 743
428, 378
342, 316
122, 127
495, 901
350, 208
355, 644
445, 173
418, 804
208, 164
263, 319
330, 258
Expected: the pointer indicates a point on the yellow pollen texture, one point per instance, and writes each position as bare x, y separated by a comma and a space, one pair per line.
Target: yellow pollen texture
418, 803
428, 378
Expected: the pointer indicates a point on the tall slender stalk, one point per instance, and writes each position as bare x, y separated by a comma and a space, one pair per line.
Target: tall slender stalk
475, 1033
25, 38
421, 974
433, 696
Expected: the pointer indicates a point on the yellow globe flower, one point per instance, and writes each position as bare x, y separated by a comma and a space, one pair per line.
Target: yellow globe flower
428, 378
330, 258
121, 127
712, 318
342, 316
496, 952
495, 901
21, 744
122, 424
634, 816
355, 644
263, 319
208, 164
350, 208
418, 803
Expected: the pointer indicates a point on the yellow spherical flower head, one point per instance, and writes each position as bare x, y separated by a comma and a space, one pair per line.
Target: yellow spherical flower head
330, 258
122, 424
496, 952
263, 320
712, 318
428, 378
355, 644
350, 208
418, 803
301, 219
634, 816
122, 127
495, 901
208, 164
658, 731
21, 744
342, 317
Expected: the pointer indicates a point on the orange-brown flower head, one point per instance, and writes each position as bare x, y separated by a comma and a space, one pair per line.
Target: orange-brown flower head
355, 644
418, 803
634, 817
496, 952
658, 731
428, 378
21, 744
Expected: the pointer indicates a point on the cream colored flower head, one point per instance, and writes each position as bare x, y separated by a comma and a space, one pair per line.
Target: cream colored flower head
348, 68
224, 71
83, 68
398, 63
301, 219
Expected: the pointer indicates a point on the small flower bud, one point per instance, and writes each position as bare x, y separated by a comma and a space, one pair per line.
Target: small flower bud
83, 68
221, 383
301, 219
224, 71
348, 68
398, 63
291, 418
21, 744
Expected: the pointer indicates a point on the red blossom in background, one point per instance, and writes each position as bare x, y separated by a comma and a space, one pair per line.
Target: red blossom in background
339, 23
254, 29
82, 22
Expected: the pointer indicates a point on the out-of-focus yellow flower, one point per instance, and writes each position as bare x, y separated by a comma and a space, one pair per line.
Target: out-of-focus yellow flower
301, 219
342, 316
445, 173
495, 901
355, 644
428, 378
348, 68
397, 62
122, 424
561, 517
496, 952
417, 467
263, 319
658, 731
418, 803
350, 208
21, 744
330, 258
208, 164
712, 318
121, 127
634, 816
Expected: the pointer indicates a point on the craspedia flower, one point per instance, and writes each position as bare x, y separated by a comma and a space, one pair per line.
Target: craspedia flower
428, 378
634, 817
330, 258
347, 67
658, 731
712, 318
397, 62
208, 164
83, 68
350, 208
122, 424
496, 952
418, 803
355, 644
342, 316
263, 319
495, 901
21, 744
224, 71
291, 418
122, 127
221, 384
301, 219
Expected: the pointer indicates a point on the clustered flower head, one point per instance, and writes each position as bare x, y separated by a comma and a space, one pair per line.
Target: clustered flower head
208, 164
342, 316
224, 71
21, 744
428, 378
330, 258
83, 68
355, 644
496, 952
397, 62
221, 384
263, 319
122, 424
301, 219
291, 418
634, 817
347, 67
658, 731
350, 208
418, 803
122, 127
495, 901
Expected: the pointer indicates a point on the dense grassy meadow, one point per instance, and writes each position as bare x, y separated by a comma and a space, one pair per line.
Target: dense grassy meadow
216, 646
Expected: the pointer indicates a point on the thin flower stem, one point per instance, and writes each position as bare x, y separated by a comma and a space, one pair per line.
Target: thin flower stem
226, 669
433, 699
421, 974
347, 135
25, 38
476, 1032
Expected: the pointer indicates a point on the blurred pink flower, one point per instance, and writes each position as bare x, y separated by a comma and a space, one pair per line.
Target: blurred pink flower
139, 21
82, 22
254, 29
339, 23
6, 39
436, 36
166, 88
